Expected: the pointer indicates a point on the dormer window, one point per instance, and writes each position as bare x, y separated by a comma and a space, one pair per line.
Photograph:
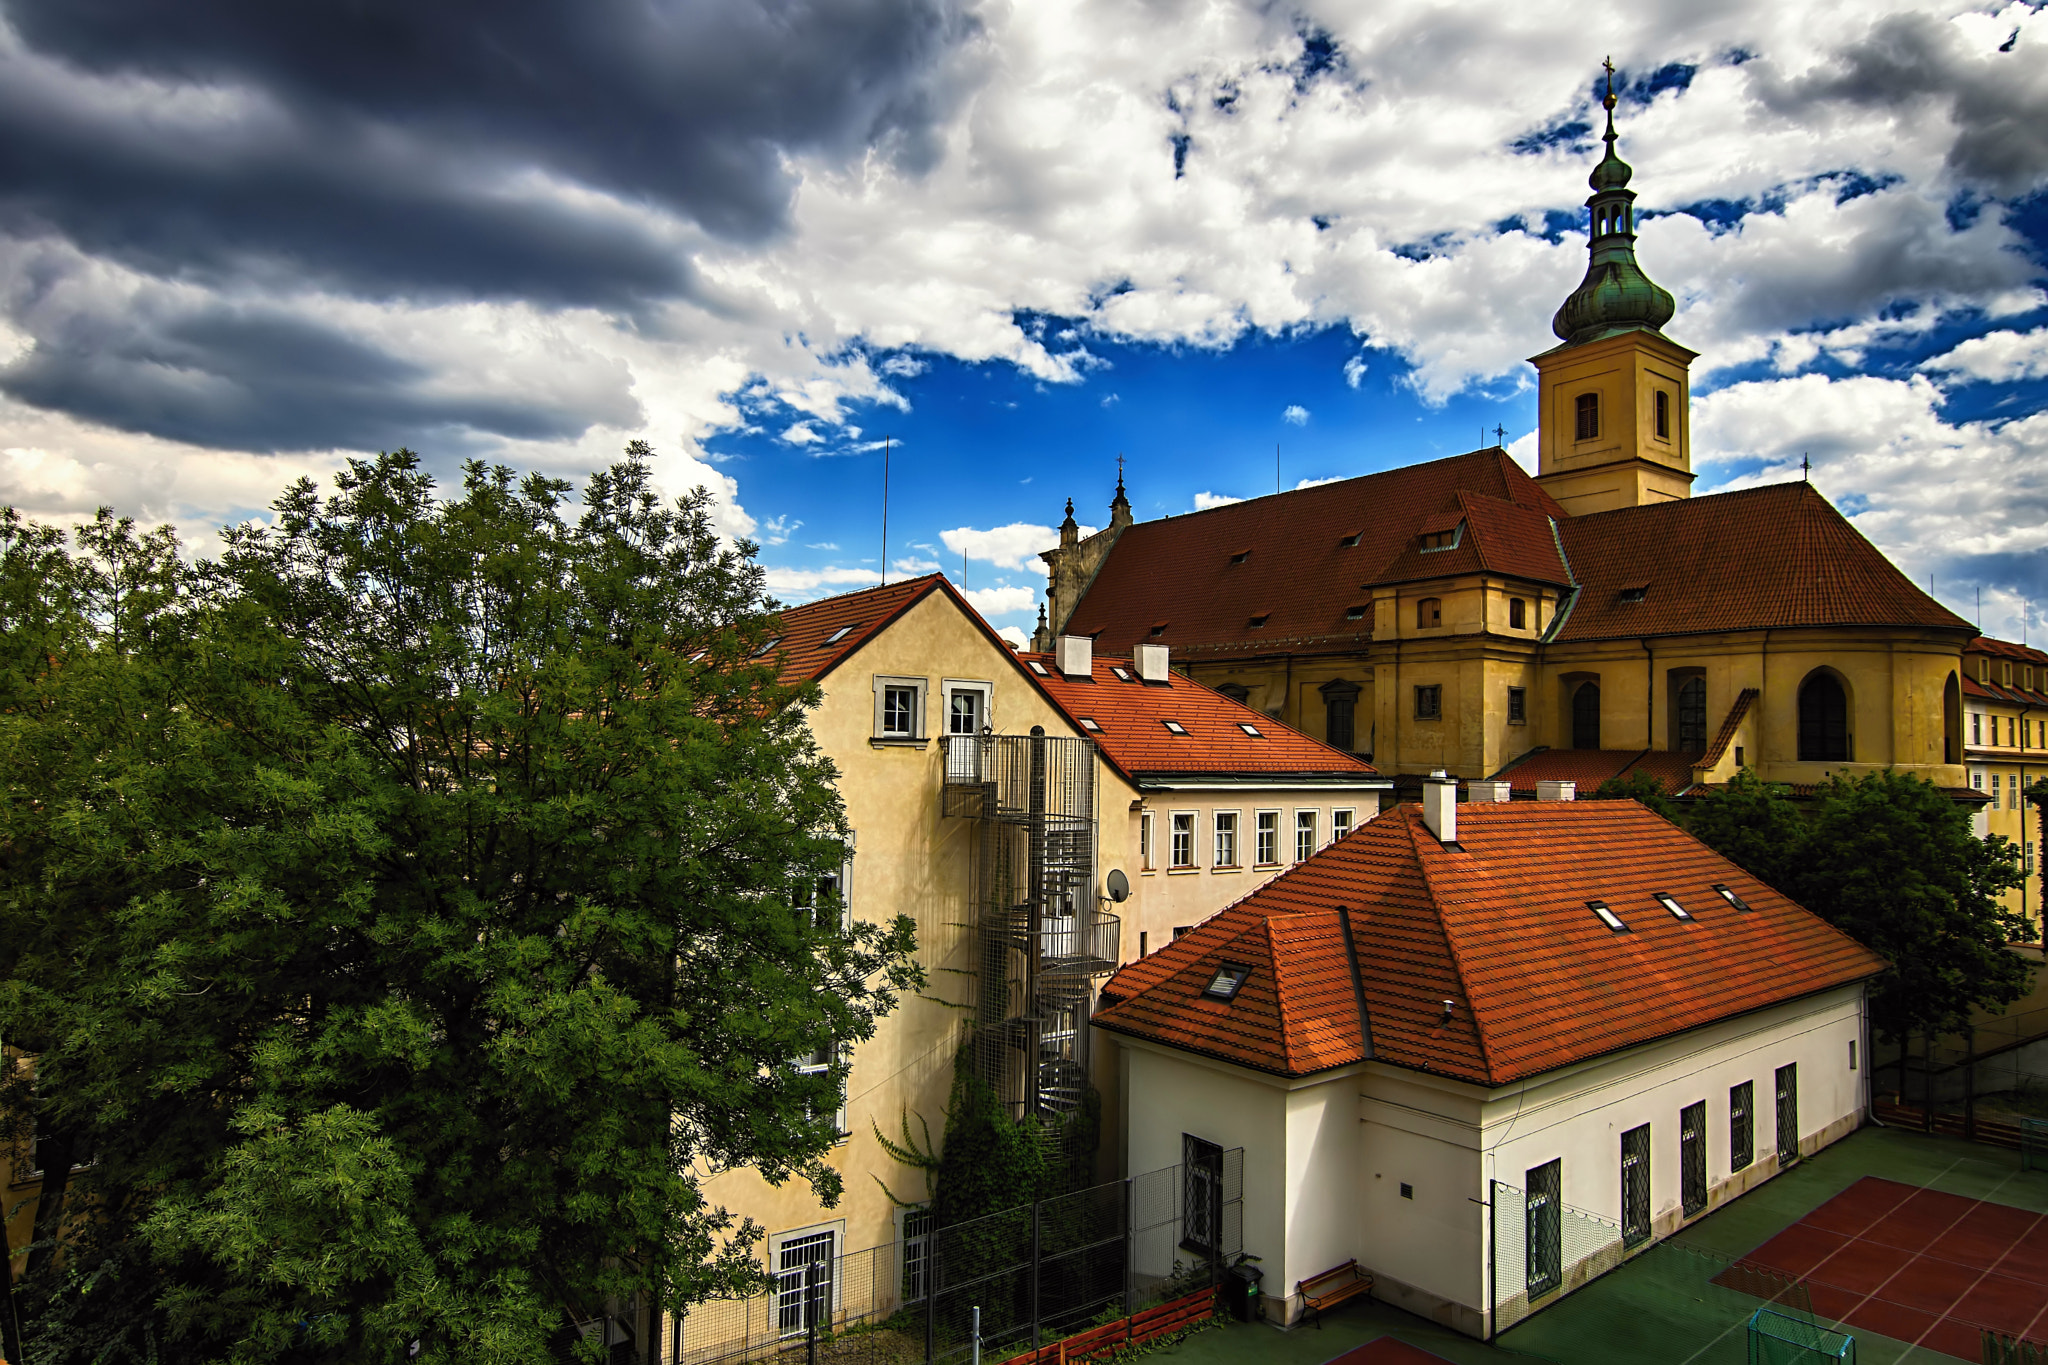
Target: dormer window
1356, 612
1350, 542
1158, 629
1587, 412
1635, 594
1259, 621
1443, 540
1241, 556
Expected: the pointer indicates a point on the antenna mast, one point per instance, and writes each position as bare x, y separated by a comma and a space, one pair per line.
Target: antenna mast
885, 510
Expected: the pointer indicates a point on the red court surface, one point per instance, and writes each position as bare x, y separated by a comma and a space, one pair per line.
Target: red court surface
1919, 1266
1387, 1351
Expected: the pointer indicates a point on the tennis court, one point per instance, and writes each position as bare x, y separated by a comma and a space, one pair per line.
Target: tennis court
1918, 1265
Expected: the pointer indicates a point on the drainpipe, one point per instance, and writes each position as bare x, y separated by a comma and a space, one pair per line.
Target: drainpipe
1649, 696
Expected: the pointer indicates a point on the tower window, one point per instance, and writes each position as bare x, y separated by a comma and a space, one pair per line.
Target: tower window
1588, 416
1429, 702
1518, 614
1663, 415
1429, 612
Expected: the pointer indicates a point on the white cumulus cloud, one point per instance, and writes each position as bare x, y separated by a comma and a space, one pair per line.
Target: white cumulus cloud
1295, 415
2002, 356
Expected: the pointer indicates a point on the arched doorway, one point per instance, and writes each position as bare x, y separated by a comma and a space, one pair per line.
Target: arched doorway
1586, 716
1823, 719
1952, 721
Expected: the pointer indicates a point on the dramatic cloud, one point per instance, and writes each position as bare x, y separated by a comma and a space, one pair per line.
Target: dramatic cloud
997, 601
1016, 546
2001, 356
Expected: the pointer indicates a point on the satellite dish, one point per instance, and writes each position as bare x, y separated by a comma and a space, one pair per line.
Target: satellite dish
1118, 885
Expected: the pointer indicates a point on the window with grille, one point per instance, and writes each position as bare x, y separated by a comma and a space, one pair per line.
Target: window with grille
1429, 702
1518, 614
1226, 838
1635, 1185
1304, 835
917, 1241
1692, 1156
1201, 1203
1429, 612
1543, 1215
1266, 837
1184, 839
1741, 1131
1518, 706
1691, 716
1788, 1114
1587, 411
803, 1283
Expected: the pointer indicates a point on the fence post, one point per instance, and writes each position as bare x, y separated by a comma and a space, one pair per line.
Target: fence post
931, 1293
1034, 1274
1215, 1228
977, 1334
1130, 1253
811, 1312
1970, 1084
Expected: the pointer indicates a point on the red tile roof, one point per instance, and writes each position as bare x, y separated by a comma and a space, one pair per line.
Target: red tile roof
1500, 537
2003, 650
811, 644
1131, 718
1500, 927
1299, 573
1775, 556
1590, 767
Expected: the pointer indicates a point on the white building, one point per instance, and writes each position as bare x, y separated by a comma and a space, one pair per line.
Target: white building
1574, 999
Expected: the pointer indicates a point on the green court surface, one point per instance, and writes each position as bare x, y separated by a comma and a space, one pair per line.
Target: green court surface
1662, 1306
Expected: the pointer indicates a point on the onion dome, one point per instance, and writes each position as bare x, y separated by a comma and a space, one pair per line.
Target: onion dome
1616, 296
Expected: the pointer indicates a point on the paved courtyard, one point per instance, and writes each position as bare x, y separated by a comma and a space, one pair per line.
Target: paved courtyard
1663, 1306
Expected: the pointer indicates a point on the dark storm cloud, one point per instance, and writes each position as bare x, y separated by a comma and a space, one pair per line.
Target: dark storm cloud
261, 379
1996, 102
380, 141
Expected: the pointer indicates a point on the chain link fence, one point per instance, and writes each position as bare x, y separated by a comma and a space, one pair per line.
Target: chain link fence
1009, 1282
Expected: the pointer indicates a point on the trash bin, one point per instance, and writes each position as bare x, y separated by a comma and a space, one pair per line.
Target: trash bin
1241, 1290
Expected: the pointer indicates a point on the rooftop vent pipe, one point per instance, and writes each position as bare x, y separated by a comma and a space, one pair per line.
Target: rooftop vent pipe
1550, 790
1440, 806
1077, 655
1151, 662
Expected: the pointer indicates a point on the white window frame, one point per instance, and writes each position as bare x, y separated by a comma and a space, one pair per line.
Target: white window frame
916, 733
921, 1242
1343, 819
1314, 828
948, 686
1219, 821
1260, 832
1146, 861
1173, 835
811, 1066
836, 1248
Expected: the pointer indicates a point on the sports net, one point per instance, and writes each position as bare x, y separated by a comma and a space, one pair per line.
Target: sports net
2034, 1144
1776, 1339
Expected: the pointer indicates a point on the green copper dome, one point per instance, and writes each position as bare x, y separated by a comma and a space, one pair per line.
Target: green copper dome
1616, 296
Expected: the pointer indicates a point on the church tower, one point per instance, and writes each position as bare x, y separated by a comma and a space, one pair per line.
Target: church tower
1613, 428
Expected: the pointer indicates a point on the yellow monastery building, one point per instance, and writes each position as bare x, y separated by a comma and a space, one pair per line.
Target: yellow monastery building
2005, 696
1588, 621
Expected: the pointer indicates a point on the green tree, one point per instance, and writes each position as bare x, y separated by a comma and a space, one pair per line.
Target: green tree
1891, 860
407, 908
1638, 786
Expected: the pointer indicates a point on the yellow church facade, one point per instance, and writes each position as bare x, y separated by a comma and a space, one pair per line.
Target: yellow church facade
1592, 620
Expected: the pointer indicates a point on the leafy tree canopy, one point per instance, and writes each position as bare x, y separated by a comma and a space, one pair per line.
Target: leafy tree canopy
408, 909
1891, 860
1637, 787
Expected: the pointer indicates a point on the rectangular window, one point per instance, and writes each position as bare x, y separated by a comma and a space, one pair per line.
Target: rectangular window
1429, 702
1267, 849
1788, 1114
1692, 1156
1852, 1054
817, 1064
2012, 737
1145, 841
1201, 1197
917, 1241
803, 1283
1518, 706
1976, 727
1543, 1229
1304, 835
1340, 824
1635, 1185
899, 708
1741, 1132
1183, 839
964, 709
1226, 838
1518, 613
1587, 411
1663, 415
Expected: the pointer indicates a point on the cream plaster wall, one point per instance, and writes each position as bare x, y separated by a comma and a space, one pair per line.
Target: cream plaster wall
908, 859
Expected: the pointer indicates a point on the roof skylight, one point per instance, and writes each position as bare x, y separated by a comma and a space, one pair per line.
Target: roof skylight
773, 641
1158, 630
1040, 669
1249, 729
840, 634
1122, 674
1355, 613
1677, 911
1174, 727
1241, 556
1088, 724
1727, 893
1607, 917
1350, 541
1227, 982
1260, 619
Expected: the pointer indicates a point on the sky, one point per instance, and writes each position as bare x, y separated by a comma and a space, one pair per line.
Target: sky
998, 245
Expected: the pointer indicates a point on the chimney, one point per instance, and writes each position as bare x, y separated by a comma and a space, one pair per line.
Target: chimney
1151, 662
1548, 790
1440, 806
1487, 791
1077, 655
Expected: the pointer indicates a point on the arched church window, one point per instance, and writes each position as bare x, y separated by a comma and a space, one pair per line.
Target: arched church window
1588, 416
1518, 614
1429, 612
1586, 716
1823, 720
1692, 716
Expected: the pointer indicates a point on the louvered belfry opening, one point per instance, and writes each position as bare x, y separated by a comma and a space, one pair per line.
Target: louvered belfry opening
1042, 936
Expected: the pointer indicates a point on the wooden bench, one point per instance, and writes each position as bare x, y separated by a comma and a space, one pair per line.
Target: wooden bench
1331, 1288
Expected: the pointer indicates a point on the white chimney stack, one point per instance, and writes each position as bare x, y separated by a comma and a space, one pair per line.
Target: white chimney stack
1549, 790
1076, 655
1440, 805
1488, 791
1151, 662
